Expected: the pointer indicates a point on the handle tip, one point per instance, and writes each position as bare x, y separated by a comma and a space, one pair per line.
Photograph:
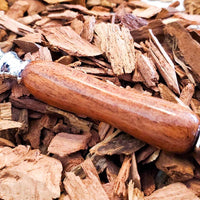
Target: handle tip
197, 144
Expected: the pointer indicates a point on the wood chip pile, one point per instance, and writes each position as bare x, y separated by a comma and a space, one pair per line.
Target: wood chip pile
48, 153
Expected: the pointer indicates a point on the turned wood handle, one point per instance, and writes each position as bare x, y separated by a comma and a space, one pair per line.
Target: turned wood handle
163, 124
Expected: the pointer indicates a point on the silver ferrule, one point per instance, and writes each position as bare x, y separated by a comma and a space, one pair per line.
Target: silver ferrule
11, 64
197, 144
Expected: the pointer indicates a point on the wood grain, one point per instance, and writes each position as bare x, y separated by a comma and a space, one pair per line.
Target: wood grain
163, 124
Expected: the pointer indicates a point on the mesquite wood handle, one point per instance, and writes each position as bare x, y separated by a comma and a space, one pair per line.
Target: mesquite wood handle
163, 124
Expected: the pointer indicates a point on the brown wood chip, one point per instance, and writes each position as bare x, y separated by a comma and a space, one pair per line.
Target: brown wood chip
164, 64
119, 47
64, 143
173, 192
147, 70
119, 185
13, 25
183, 38
177, 168
30, 171
66, 39
123, 144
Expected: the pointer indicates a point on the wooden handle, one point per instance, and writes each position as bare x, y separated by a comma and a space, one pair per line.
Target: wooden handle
163, 124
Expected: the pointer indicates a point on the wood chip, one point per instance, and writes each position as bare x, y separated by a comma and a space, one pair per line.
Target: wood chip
49, 121
4, 5
143, 32
183, 38
65, 15
148, 180
152, 158
75, 187
112, 171
119, 185
173, 192
147, 70
8, 44
8, 124
18, 9
139, 4
171, 20
194, 185
184, 67
148, 13
88, 28
69, 41
31, 104
60, 127
187, 93
42, 53
134, 172
70, 162
73, 120
132, 22
77, 26
166, 68
37, 174
5, 111
88, 167
35, 7
56, 1
95, 188
108, 187
84, 10
193, 19
99, 162
167, 94
66, 60
34, 133
79, 2
195, 104
89, 188
102, 3
28, 42
174, 4
47, 136
29, 19
64, 143
119, 47
101, 63
123, 144
134, 193
111, 134
145, 153
19, 90
103, 129
5, 142
166, 12
13, 25
137, 76
177, 168
23, 118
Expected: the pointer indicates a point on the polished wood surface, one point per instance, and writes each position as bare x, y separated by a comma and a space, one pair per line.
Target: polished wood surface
163, 124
